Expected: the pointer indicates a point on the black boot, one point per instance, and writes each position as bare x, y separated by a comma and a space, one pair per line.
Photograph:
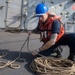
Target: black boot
71, 57
59, 52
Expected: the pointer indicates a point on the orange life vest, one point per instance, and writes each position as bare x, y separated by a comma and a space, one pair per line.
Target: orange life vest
46, 27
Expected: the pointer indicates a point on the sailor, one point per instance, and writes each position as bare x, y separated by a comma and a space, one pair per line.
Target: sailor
52, 33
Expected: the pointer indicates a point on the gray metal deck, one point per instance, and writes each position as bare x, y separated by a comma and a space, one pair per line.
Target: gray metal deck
12, 42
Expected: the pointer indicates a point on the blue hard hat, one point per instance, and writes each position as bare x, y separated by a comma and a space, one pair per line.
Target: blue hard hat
41, 9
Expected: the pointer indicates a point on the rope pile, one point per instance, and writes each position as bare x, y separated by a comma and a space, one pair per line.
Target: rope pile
53, 66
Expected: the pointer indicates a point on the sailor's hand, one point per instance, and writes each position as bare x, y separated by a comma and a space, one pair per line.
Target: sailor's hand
35, 52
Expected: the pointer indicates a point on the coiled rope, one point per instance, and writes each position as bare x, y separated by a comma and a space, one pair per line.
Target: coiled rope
53, 66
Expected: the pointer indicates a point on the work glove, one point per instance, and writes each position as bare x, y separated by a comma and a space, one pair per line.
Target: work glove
35, 52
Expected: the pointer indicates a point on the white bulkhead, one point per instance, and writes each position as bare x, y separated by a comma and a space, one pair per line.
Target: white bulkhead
19, 13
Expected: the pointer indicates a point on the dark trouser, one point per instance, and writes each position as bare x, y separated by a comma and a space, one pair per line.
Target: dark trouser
67, 39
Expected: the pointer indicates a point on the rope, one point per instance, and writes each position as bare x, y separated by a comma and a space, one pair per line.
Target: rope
53, 66
3, 54
11, 63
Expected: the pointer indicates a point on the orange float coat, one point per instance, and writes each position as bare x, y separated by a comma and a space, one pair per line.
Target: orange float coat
46, 28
